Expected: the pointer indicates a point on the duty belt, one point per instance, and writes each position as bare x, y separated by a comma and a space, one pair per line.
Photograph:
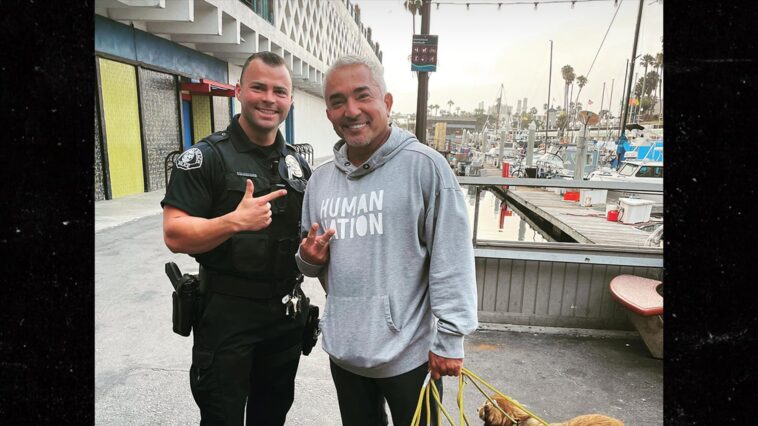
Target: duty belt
244, 287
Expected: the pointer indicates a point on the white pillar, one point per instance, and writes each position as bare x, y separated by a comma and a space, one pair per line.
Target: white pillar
530, 144
581, 152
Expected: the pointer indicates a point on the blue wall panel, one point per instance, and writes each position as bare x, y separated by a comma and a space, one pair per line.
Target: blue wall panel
114, 38
117, 39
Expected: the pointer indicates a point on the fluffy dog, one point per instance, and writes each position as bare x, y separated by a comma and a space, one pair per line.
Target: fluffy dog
493, 417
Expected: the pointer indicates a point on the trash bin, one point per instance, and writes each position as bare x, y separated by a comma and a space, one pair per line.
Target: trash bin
531, 172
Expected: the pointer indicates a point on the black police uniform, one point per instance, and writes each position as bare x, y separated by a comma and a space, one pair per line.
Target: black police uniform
246, 349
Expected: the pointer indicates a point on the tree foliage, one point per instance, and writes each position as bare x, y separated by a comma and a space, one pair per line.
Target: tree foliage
651, 82
567, 72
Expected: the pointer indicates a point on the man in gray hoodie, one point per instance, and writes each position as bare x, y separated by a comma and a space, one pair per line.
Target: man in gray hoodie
395, 258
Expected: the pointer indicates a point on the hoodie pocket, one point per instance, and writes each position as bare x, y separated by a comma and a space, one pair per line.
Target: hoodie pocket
360, 331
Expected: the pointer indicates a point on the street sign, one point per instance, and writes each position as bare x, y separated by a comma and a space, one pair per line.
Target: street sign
424, 55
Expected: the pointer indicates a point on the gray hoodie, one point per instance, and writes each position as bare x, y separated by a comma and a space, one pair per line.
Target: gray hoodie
401, 257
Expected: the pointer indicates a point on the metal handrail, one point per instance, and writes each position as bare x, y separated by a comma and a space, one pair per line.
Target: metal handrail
561, 183
305, 150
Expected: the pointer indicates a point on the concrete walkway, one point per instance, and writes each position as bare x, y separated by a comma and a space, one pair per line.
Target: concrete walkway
141, 366
110, 213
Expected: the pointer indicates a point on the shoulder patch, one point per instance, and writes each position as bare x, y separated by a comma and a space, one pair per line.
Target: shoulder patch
191, 159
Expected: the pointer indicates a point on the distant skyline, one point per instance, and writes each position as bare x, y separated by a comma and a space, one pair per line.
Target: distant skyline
483, 47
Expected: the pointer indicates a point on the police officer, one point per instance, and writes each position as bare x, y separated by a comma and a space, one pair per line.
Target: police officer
234, 204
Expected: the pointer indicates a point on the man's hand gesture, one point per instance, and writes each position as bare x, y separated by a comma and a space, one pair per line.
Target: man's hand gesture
314, 248
254, 214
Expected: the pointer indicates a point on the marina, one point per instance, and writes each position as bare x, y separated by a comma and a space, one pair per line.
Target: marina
546, 210
584, 224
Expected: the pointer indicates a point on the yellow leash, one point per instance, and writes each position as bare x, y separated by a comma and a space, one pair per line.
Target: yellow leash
429, 387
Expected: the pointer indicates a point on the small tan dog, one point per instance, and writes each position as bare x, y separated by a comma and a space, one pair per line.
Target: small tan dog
493, 417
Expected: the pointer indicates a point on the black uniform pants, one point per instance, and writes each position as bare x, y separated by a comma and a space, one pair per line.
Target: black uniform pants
245, 351
361, 399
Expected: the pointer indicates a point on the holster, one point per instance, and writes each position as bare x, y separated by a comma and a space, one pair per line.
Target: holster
186, 300
311, 330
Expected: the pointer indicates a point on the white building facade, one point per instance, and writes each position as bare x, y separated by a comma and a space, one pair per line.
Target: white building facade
166, 70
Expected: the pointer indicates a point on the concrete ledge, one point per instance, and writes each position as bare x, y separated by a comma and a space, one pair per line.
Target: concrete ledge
574, 332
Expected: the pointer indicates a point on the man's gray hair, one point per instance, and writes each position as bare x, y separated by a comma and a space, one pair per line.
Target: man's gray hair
375, 68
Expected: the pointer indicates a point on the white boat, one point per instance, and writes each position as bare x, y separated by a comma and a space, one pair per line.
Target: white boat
634, 171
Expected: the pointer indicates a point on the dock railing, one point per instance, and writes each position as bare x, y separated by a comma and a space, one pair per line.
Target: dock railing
555, 283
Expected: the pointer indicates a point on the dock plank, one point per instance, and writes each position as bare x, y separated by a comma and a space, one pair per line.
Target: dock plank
585, 224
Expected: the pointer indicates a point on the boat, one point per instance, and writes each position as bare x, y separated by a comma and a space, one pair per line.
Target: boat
644, 150
645, 171
559, 161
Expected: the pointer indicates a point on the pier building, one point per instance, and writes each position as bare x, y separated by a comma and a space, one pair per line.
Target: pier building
166, 72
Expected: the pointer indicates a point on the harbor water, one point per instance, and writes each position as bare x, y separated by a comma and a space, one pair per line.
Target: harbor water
497, 220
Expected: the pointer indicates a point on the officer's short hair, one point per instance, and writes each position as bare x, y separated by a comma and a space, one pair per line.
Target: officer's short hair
268, 58
375, 69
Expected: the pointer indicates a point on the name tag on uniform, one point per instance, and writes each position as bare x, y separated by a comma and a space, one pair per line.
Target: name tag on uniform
245, 174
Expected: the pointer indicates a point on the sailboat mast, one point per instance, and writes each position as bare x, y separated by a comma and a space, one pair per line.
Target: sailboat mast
628, 93
497, 125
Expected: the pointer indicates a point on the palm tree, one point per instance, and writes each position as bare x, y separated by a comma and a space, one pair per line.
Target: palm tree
561, 122
580, 81
646, 84
567, 71
658, 68
450, 104
435, 107
646, 61
412, 6
650, 82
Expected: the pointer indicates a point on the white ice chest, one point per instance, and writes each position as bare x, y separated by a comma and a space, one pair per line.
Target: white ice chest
635, 210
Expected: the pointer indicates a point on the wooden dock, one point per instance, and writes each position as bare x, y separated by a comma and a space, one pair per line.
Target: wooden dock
584, 224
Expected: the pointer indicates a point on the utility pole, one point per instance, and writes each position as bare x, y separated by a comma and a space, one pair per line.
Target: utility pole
625, 105
423, 78
549, 80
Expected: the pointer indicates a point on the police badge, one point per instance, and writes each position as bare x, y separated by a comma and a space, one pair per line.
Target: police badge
293, 167
191, 159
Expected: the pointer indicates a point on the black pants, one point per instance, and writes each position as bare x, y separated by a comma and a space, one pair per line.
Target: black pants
245, 351
361, 399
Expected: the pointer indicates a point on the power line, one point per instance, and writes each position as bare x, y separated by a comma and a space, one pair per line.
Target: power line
501, 3
618, 7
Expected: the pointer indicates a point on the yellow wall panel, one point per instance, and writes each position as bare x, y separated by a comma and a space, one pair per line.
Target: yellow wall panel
122, 127
201, 117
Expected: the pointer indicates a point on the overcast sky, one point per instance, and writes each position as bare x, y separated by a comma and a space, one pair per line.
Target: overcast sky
483, 47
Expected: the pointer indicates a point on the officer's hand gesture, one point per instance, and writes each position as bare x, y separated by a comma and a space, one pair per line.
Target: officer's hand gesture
254, 214
314, 248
